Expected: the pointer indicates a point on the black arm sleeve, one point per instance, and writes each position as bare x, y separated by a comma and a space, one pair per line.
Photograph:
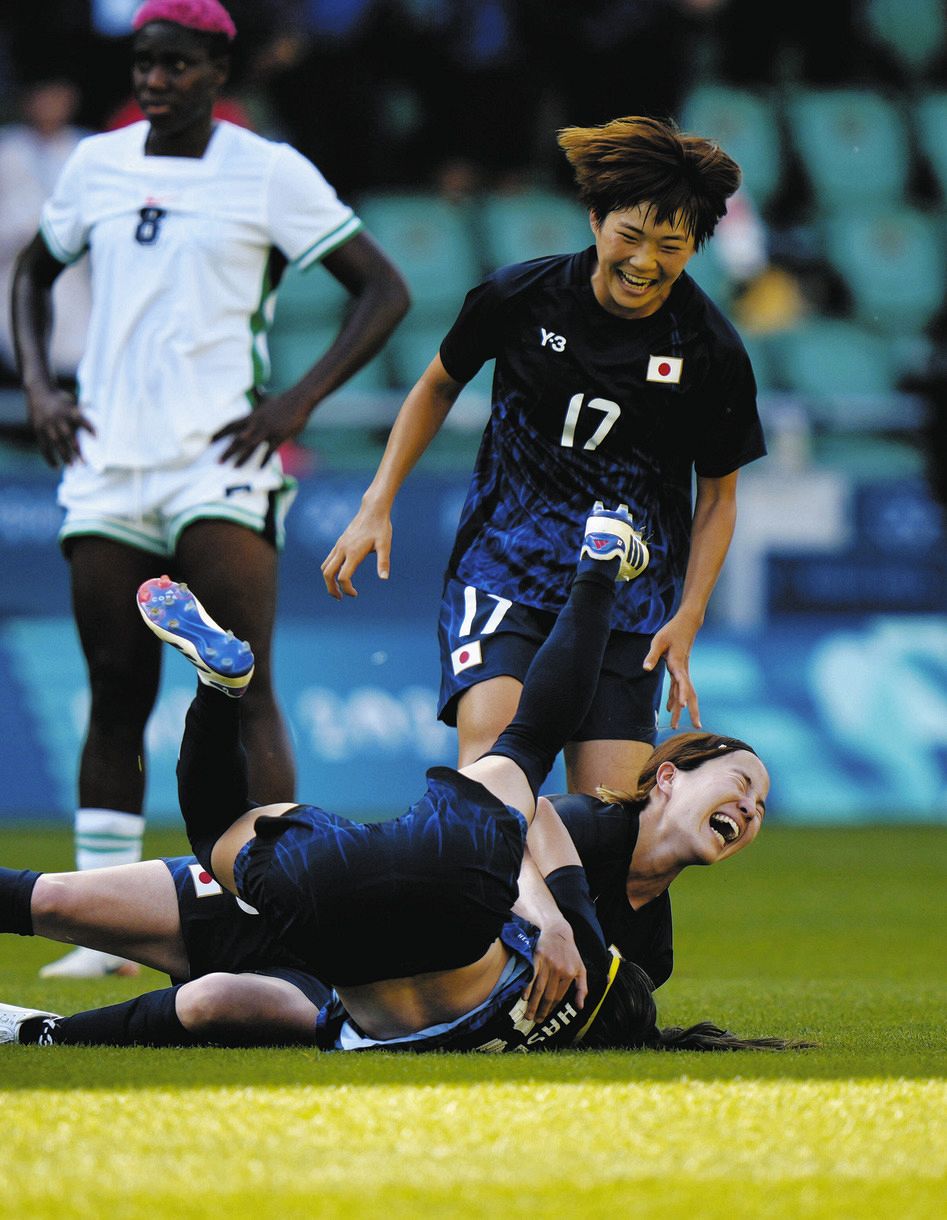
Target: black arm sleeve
569, 887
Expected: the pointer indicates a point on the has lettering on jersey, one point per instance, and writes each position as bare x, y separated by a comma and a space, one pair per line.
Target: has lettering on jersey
587, 406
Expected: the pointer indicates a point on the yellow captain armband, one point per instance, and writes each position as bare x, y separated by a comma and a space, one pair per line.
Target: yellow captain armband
617, 960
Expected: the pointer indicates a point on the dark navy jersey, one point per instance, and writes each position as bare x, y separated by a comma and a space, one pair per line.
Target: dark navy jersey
499, 1026
605, 836
588, 406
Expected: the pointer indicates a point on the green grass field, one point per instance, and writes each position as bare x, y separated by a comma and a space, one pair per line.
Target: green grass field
832, 935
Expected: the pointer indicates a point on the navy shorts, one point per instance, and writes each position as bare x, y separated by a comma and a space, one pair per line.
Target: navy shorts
358, 902
482, 635
220, 934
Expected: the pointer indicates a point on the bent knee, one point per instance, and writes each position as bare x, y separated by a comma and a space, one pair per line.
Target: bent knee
213, 999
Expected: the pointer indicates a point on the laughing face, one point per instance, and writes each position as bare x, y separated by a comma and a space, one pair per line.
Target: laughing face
639, 260
718, 807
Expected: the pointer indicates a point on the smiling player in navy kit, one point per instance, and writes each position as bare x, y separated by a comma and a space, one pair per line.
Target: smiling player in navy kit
615, 374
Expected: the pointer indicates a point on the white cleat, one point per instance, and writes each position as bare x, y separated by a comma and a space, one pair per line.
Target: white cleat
12, 1017
611, 532
84, 963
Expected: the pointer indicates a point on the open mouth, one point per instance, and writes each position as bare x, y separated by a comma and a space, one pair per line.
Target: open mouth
637, 282
724, 827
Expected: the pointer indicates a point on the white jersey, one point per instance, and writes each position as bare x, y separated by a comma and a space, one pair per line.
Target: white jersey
181, 299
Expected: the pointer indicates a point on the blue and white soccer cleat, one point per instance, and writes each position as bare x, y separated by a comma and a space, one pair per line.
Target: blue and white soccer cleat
176, 616
610, 532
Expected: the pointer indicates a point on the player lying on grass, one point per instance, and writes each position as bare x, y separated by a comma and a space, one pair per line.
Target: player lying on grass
234, 983
411, 919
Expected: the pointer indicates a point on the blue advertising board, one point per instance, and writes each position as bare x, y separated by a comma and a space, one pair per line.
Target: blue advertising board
851, 719
847, 705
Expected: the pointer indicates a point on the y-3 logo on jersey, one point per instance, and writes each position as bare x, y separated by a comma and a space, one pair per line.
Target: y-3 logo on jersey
549, 338
149, 224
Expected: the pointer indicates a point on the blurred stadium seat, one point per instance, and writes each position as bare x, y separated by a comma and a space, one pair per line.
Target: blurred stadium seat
931, 127
431, 243
853, 144
913, 32
520, 227
746, 126
294, 349
413, 347
311, 297
709, 272
765, 365
831, 358
894, 265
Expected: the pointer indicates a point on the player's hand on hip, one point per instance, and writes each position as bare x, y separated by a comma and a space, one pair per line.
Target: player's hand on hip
56, 420
275, 421
369, 530
556, 965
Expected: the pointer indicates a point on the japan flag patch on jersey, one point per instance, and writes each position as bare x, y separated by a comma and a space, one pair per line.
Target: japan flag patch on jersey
204, 884
665, 368
466, 656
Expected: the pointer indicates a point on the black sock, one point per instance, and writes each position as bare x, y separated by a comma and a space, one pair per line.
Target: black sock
563, 675
148, 1020
16, 891
212, 770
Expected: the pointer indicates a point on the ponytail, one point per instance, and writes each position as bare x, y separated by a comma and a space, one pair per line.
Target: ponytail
704, 1036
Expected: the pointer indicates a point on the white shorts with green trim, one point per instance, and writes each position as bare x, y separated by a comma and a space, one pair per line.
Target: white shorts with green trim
150, 509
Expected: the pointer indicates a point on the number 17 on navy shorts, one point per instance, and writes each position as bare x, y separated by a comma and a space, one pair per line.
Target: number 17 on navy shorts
482, 635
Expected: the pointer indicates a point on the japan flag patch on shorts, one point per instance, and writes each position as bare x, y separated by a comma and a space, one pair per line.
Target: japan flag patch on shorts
665, 368
466, 656
204, 884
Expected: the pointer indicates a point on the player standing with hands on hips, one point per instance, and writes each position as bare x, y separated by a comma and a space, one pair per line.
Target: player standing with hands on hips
170, 449
615, 376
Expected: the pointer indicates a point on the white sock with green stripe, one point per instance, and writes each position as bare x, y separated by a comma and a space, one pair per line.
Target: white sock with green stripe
107, 836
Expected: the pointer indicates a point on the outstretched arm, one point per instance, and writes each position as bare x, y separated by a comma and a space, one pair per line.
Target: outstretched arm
418, 422
715, 514
379, 301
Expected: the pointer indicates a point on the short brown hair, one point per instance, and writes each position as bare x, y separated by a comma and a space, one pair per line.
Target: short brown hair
638, 160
